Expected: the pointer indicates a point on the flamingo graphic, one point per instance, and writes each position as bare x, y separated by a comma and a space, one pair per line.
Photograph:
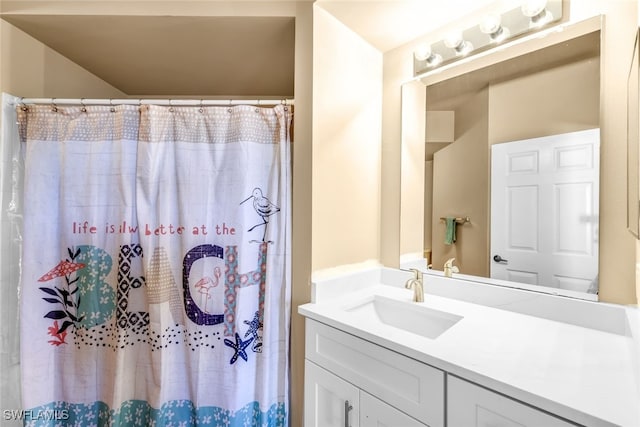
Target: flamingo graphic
205, 284
264, 209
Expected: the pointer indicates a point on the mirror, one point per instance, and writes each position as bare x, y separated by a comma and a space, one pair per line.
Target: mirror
537, 92
633, 134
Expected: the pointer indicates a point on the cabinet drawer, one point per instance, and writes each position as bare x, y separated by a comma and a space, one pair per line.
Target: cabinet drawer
410, 386
470, 405
375, 413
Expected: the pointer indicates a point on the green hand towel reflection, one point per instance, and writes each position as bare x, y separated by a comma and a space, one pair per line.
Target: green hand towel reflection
450, 233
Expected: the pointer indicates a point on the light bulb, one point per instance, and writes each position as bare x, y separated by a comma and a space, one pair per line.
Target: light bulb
536, 11
422, 52
453, 39
490, 25
531, 8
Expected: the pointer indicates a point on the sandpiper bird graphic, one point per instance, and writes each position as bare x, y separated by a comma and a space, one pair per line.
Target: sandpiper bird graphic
263, 207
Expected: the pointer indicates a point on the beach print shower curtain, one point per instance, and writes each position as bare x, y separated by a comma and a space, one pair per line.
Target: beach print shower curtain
155, 266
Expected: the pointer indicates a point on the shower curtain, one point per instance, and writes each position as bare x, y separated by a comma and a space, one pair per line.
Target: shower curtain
156, 265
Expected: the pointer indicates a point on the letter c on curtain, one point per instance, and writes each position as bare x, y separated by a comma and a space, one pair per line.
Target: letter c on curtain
194, 312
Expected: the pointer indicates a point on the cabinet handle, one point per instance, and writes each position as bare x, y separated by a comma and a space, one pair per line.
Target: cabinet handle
347, 409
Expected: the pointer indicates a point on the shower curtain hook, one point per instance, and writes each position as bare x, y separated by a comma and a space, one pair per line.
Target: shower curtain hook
113, 109
201, 109
170, 105
84, 107
54, 107
23, 106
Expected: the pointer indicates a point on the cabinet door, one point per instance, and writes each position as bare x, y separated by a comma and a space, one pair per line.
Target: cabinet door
411, 386
375, 413
469, 405
329, 401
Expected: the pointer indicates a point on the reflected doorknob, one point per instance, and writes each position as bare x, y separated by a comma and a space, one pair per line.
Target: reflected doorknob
498, 258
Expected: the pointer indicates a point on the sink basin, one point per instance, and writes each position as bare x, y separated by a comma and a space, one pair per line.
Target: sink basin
408, 316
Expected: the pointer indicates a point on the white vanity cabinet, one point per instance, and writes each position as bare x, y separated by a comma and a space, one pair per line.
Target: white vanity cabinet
382, 387
333, 402
469, 405
351, 382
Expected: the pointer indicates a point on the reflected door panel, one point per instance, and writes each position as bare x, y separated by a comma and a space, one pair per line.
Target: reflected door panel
544, 211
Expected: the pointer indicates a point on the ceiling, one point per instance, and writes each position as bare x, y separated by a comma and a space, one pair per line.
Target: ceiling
175, 56
221, 56
387, 24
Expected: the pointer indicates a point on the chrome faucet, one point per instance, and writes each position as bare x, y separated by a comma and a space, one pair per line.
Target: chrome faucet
416, 284
449, 268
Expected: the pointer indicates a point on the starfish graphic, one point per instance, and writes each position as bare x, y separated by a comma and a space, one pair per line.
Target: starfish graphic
254, 325
239, 346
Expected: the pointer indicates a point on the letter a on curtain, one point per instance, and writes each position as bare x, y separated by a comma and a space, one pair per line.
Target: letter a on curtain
155, 283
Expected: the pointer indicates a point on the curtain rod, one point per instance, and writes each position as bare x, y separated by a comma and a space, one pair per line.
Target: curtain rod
169, 102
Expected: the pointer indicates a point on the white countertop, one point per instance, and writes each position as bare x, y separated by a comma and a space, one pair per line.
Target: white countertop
584, 375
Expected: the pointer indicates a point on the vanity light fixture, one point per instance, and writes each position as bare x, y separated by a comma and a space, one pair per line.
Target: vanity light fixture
456, 42
537, 12
499, 27
425, 54
491, 25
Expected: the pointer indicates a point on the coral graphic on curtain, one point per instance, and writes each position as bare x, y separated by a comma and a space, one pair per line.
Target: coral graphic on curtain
152, 294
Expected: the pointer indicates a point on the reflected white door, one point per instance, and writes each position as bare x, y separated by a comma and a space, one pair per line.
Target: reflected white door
544, 210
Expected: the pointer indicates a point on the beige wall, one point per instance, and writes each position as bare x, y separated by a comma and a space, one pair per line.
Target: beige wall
412, 209
302, 208
347, 102
396, 71
428, 208
28, 68
559, 100
617, 245
461, 188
